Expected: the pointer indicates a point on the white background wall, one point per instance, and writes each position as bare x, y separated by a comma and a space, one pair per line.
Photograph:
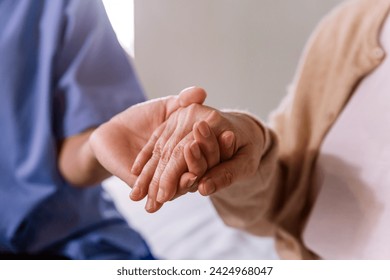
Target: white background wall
243, 52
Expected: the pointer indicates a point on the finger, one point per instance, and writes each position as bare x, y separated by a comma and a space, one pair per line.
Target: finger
173, 170
167, 149
227, 144
164, 187
152, 205
242, 165
147, 151
154, 202
207, 142
187, 180
152, 175
141, 186
195, 160
182, 191
196, 164
194, 188
199, 155
148, 176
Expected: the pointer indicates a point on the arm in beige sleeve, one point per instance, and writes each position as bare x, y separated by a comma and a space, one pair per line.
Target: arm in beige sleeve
251, 204
274, 202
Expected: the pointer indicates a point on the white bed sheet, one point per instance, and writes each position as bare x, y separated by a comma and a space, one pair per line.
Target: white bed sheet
188, 228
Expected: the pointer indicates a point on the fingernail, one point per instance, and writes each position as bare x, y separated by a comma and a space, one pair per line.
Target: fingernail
149, 205
161, 196
229, 139
195, 151
191, 182
209, 187
204, 130
135, 192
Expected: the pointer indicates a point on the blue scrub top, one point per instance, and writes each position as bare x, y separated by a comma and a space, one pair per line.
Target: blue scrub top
62, 71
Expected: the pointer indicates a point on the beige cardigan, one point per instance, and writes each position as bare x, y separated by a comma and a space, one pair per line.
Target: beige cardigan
343, 49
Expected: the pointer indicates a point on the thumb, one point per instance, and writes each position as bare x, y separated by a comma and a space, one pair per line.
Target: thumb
227, 173
192, 95
185, 98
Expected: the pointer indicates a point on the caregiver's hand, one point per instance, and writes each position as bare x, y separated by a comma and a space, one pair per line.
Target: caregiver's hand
164, 164
117, 142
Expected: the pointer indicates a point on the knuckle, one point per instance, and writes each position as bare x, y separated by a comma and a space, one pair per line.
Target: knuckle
158, 149
178, 152
228, 176
143, 155
162, 152
252, 165
193, 109
154, 138
166, 154
156, 133
199, 170
154, 182
215, 116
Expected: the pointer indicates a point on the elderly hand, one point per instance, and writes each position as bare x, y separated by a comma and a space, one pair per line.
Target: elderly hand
162, 162
116, 143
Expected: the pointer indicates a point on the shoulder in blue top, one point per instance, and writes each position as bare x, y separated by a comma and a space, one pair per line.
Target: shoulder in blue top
62, 71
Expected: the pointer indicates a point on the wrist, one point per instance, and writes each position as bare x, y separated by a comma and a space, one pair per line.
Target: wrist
78, 163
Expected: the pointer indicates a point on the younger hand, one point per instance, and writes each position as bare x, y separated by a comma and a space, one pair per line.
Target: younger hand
116, 143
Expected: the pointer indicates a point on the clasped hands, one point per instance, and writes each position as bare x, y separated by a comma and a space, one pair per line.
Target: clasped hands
168, 147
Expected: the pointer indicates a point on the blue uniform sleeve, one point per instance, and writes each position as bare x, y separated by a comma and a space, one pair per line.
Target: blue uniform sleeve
94, 76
